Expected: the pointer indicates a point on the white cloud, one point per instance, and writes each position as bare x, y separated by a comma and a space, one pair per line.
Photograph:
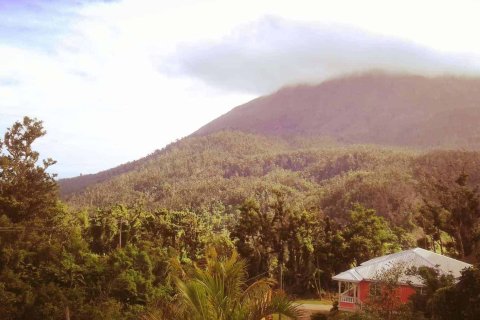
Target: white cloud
263, 56
101, 99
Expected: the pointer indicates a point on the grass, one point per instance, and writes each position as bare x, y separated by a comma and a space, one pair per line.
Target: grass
307, 301
314, 301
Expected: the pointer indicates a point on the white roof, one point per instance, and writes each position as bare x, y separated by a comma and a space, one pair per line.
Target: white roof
418, 257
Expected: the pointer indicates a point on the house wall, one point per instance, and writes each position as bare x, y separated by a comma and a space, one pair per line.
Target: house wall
403, 291
364, 290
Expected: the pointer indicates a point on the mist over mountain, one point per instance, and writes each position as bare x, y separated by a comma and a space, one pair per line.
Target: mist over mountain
376, 108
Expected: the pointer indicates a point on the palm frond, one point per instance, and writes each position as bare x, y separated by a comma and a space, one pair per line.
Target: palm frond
195, 299
219, 291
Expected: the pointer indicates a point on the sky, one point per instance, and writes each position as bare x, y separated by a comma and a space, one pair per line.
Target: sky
113, 81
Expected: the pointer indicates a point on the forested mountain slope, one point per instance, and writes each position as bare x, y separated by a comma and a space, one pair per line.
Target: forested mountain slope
390, 110
71, 185
395, 110
292, 150
374, 108
226, 168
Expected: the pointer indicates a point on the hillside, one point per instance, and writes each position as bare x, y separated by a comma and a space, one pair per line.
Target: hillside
224, 169
397, 110
71, 185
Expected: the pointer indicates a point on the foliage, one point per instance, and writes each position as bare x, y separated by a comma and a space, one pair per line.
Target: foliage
459, 301
368, 235
432, 280
417, 192
274, 233
454, 210
318, 316
221, 291
27, 190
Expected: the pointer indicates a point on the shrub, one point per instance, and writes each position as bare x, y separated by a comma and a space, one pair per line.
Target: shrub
318, 316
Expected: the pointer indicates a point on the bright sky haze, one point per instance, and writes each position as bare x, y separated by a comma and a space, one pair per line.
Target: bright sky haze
115, 80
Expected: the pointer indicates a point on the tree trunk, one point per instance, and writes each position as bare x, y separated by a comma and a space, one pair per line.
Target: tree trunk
440, 241
460, 244
67, 313
120, 235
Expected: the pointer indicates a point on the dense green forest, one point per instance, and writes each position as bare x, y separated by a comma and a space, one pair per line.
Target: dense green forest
203, 228
222, 172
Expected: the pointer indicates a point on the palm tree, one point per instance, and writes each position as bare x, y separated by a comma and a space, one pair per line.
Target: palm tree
220, 292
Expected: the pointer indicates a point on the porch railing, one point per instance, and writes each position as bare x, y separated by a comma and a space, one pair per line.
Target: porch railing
348, 299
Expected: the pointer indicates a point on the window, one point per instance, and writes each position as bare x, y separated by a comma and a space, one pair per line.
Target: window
375, 289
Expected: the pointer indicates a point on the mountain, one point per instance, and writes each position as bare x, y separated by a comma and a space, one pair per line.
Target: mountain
375, 108
308, 139
74, 184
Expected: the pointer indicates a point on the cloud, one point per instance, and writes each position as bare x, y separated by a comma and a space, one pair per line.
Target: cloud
34, 24
9, 81
39, 25
273, 52
90, 78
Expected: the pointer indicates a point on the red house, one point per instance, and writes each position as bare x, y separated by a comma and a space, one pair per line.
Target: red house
356, 284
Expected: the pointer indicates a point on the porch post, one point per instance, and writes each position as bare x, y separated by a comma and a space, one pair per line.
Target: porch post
339, 290
358, 293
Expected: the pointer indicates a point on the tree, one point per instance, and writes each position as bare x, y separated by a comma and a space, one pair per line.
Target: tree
459, 301
433, 221
279, 238
31, 255
455, 210
432, 280
463, 202
27, 190
368, 235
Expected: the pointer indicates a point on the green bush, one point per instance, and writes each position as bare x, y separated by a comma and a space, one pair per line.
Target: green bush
318, 316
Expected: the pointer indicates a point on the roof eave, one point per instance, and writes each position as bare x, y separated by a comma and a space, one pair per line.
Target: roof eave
345, 280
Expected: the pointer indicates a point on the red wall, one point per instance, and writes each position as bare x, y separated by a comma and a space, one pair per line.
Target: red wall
404, 292
364, 290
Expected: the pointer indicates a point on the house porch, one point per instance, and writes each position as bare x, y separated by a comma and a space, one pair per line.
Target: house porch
348, 296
